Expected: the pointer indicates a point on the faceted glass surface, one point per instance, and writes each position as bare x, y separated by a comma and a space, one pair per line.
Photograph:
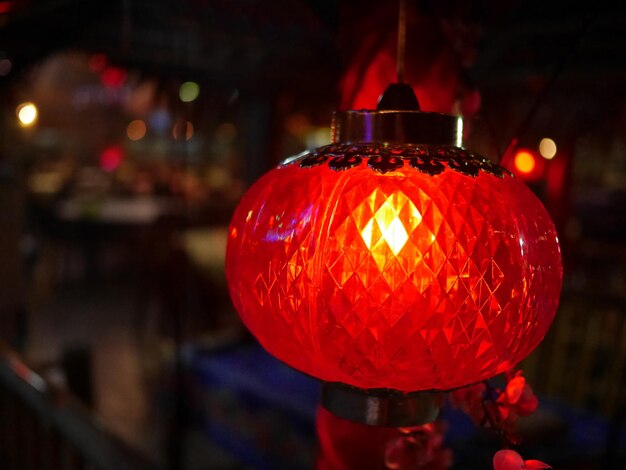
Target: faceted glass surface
399, 280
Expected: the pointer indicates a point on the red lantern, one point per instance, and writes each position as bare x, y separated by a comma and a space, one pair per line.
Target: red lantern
394, 259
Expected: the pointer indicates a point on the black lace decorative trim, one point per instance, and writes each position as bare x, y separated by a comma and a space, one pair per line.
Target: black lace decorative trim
429, 159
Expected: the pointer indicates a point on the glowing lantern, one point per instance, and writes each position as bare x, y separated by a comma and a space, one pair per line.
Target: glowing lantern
393, 259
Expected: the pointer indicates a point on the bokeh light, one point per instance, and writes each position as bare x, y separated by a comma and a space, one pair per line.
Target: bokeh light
160, 120
547, 148
182, 130
111, 158
6, 7
113, 77
317, 137
136, 130
524, 161
27, 114
188, 91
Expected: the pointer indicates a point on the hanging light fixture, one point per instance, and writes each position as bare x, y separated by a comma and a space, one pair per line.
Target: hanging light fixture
393, 264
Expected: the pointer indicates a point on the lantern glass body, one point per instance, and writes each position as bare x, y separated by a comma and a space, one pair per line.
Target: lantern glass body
407, 277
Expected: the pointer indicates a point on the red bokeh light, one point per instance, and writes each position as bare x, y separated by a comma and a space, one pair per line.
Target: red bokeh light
113, 77
399, 280
6, 7
111, 158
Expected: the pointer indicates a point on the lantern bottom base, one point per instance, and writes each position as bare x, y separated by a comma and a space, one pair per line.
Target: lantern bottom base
380, 406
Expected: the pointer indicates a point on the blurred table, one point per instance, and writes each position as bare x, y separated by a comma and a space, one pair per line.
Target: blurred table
206, 250
96, 235
118, 211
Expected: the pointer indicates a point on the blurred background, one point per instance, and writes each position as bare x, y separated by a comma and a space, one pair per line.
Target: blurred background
129, 129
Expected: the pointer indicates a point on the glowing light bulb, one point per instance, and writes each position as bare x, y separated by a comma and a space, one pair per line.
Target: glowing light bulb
547, 148
27, 114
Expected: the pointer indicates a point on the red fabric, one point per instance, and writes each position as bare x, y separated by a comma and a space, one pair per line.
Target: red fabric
436, 90
438, 49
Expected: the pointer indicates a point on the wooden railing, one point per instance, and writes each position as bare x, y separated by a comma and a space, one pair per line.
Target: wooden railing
42, 430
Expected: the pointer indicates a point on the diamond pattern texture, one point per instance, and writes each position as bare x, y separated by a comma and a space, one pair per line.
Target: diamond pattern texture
402, 280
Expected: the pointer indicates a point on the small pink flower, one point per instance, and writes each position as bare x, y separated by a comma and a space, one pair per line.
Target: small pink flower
511, 460
499, 409
517, 399
528, 402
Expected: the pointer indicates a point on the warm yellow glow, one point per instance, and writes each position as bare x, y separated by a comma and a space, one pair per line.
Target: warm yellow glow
27, 114
395, 235
525, 162
547, 148
46, 183
136, 129
387, 224
317, 137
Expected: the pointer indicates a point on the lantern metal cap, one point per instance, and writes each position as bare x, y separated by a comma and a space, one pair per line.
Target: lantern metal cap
397, 120
381, 407
396, 127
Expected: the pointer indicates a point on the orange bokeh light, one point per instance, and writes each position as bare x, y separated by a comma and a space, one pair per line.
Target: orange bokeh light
136, 130
524, 162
